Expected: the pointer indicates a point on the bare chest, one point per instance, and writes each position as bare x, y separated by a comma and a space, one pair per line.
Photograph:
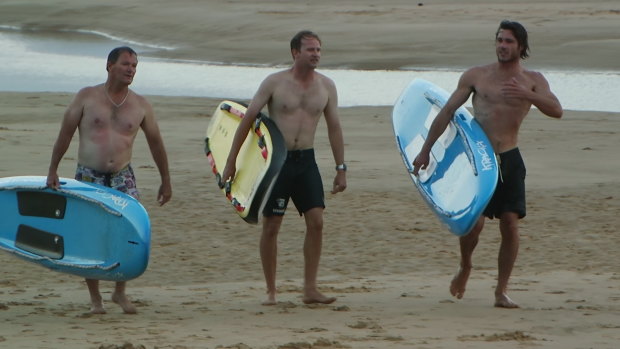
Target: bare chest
290, 98
103, 117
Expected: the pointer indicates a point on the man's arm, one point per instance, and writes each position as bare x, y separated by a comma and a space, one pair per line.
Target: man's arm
334, 133
540, 96
456, 100
158, 151
260, 99
70, 122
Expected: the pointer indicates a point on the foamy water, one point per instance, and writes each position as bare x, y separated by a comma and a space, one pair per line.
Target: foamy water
36, 63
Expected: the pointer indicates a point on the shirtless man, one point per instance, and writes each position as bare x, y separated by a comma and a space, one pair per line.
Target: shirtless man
108, 117
503, 93
296, 98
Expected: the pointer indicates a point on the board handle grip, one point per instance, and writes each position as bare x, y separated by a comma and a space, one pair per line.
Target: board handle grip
31, 256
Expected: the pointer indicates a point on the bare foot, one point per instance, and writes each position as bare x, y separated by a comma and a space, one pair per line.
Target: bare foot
315, 297
96, 305
125, 303
503, 301
322, 300
459, 281
269, 302
271, 299
97, 308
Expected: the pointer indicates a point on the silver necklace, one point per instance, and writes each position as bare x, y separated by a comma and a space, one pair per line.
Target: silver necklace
105, 90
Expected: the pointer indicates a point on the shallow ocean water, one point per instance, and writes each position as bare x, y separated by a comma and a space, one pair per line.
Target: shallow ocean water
40, 62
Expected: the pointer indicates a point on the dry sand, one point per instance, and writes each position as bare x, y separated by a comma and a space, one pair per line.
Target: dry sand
385, 256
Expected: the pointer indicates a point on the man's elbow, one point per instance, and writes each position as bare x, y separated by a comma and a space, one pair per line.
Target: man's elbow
558, 112
555, 112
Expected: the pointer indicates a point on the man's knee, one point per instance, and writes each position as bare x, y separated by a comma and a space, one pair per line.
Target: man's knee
314, 219
271, 225
509, 224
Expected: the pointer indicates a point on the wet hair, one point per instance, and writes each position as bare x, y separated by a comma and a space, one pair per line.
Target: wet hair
296, 40
520, 34
115, 53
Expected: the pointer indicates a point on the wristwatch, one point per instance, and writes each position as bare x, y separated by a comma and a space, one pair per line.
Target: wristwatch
341, 167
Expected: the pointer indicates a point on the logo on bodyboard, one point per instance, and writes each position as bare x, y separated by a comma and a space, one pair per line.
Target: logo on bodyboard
487, 162
117, 200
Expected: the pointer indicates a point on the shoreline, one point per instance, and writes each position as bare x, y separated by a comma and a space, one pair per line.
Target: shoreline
157, 56
583, 91
356, 35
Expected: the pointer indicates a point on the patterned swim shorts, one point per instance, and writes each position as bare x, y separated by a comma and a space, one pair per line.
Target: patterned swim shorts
123, 180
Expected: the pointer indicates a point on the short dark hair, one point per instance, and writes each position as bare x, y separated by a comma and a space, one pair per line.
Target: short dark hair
296, 40
115, 53
520, 34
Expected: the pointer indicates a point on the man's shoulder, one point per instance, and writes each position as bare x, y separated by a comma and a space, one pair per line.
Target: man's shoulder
481, 69
89, 90
472, 76
533, 74
324, 77
140, 97
276, 78
87, 93
281, 74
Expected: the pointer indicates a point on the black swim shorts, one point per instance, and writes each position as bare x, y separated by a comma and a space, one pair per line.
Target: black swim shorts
509, 194
299, 180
